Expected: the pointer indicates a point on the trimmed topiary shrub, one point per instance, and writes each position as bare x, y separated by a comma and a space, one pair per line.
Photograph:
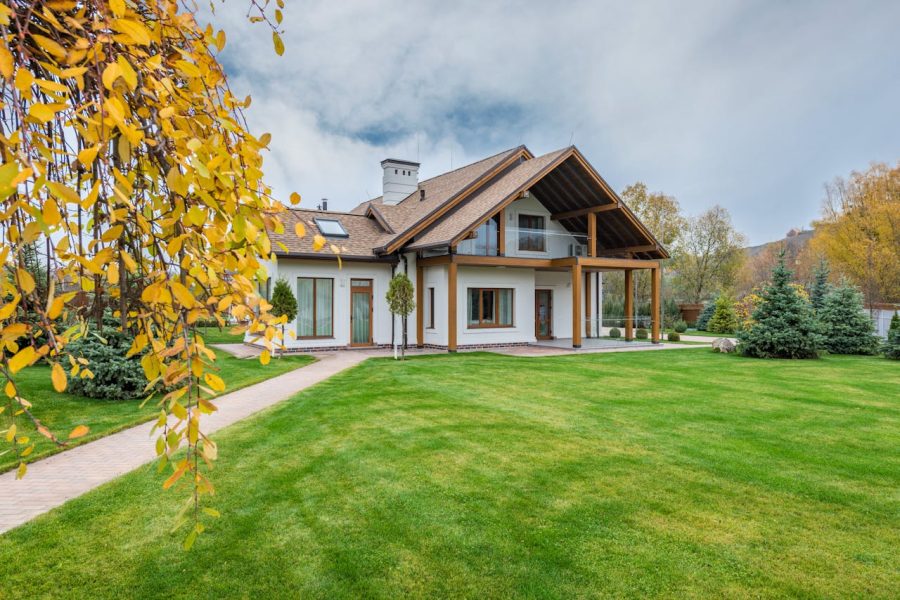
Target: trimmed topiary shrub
615, 333
680, 326
114, 376
845, 325
706, 314
674, 336
641, 334
284, 304
784, 325
724, 319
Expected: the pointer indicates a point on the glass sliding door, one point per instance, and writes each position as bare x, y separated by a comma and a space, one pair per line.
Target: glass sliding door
360, 312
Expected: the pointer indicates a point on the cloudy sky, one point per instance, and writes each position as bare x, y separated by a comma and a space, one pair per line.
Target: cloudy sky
751, 105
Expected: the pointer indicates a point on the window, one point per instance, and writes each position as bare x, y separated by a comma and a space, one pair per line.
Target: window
429, 315
315, 307
531, 233
264, 288
331, 228
490, 307
487, 237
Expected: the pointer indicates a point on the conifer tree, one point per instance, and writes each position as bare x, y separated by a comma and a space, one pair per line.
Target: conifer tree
785, 326
845, 325
706, 314
820, 286
892, 346
284, 304
724, 319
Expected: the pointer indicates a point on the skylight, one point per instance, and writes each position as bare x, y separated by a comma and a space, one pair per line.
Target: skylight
331, 228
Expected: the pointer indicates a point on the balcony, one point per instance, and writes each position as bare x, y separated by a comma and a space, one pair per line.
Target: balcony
523, 242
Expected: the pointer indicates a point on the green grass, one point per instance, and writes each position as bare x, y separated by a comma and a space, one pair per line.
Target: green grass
669, 474
213, 335
62, 412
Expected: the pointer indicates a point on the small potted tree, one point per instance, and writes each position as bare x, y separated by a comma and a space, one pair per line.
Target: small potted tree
284, 304
401, 302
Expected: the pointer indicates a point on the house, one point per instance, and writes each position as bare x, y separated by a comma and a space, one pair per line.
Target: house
505, 251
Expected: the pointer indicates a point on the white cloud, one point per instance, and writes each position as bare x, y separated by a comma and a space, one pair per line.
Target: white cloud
750, 105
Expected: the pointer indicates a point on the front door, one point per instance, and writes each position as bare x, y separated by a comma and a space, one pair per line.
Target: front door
543, 314
360, 312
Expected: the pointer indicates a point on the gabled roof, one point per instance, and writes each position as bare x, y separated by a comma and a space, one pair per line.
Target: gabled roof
414, 212
564, 183
484, 203
457, 202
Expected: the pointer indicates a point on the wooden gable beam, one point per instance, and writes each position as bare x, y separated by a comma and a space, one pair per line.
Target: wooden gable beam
580, 212
622, 249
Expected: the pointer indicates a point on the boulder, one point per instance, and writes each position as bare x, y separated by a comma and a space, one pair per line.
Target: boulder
723, 345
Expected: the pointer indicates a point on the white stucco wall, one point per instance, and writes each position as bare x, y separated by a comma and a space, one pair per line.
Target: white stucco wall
380, 274
557, 238
521, 281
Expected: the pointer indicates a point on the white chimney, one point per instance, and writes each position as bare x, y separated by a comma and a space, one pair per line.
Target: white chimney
401, 178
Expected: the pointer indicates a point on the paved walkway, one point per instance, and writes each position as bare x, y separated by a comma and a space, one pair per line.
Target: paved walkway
54, 480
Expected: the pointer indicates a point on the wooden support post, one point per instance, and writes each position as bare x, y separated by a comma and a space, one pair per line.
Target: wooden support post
629, 305
451, 307
501, 234
576, 305
592, 234
655, 315
588, 328
420, 306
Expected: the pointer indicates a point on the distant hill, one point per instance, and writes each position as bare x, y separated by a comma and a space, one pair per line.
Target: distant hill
793, 242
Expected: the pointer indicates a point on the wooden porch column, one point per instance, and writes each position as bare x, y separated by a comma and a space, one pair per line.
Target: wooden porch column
629, 305
654, 302
576, 305
420, 306
451, 307
592, 234
588, 328
501, 231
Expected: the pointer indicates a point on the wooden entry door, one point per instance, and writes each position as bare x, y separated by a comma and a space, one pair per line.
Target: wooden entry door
360, 312
543, 314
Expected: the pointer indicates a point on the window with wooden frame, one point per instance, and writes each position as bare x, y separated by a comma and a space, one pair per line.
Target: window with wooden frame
429, 316
532, 233
490, 307
315, 307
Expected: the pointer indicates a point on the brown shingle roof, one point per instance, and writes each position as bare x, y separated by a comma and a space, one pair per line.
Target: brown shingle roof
480, 205
438, 192
364, 234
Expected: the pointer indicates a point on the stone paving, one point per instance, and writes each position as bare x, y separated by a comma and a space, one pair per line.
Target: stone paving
54, 480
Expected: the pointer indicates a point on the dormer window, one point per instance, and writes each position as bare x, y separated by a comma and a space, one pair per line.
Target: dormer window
331, 228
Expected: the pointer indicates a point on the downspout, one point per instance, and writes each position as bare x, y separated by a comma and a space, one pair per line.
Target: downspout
393, 319
405, 272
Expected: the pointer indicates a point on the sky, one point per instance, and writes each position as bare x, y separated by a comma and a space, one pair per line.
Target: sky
750, 105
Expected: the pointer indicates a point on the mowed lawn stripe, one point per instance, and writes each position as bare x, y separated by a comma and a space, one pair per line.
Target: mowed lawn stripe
477, 475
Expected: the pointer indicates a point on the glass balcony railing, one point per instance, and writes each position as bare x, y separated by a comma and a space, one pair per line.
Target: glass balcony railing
532, 243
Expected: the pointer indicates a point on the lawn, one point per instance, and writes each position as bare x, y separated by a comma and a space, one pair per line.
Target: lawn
667, 473
62, 412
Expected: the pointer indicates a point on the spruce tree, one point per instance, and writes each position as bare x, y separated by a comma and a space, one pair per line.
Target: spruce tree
845, 325
892, 346
284, 304
724, 319
706, 314
785, 326
820, 286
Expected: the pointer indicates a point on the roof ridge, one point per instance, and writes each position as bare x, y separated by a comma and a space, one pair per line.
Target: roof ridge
475, 162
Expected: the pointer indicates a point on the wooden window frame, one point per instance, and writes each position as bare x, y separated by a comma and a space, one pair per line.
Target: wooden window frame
481, 324
315, 285
430, 293
530, 234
